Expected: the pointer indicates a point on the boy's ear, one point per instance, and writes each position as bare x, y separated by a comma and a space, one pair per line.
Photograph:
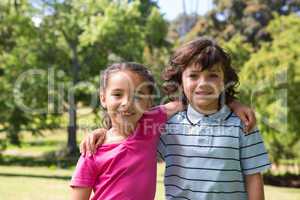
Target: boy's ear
102, 100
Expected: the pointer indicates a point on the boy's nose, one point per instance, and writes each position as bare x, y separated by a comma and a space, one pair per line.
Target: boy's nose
202, 81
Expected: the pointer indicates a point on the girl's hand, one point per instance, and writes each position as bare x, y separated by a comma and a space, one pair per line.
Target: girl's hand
173, 107
245, 113
91, 141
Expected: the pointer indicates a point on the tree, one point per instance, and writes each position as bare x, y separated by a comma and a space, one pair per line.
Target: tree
243, 17
270, 78
70, 42
18, 42
239, 50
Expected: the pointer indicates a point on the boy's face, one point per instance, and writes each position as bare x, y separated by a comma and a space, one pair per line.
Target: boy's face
203, 88
126, 98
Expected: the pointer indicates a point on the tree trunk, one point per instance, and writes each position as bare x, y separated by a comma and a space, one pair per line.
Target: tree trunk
72, 144
72, 127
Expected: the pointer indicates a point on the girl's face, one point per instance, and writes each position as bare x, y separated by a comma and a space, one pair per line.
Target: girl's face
203, 88
126, 97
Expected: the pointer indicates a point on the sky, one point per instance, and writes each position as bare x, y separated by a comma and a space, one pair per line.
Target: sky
172, 8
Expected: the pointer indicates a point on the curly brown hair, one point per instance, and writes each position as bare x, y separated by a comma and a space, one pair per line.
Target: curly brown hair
206, 53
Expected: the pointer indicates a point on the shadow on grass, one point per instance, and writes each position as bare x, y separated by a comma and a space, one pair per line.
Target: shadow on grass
48, 159
285, 180
44, 143
35, 176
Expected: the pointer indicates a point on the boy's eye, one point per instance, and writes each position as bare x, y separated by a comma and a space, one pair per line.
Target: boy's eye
137, 97
214, 75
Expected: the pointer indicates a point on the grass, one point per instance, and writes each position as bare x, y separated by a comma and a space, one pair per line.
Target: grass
51, 183
39, 183
46, 181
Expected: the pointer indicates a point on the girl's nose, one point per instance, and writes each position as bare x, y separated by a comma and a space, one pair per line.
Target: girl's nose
126, 102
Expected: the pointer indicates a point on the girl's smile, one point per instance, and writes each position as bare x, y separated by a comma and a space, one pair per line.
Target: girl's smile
126, 98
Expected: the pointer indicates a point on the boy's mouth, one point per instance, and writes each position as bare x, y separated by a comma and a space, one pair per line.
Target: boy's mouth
203, 93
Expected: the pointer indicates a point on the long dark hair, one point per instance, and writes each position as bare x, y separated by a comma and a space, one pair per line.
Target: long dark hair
137, 68
206, 53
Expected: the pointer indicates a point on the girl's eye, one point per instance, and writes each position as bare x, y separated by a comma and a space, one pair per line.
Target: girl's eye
193, 76
116, 94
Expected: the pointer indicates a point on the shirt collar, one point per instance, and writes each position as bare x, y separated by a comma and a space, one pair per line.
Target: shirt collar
194, 116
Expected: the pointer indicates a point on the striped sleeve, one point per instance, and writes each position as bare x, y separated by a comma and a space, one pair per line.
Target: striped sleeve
254, 157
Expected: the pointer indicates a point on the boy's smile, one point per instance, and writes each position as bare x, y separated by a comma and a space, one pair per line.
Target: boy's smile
203, 87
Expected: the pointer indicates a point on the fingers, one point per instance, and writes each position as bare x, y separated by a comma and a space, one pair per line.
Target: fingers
82, 148
245, 120
100, 140
86, 146
252, 120
95, 139
91, 144
91, 141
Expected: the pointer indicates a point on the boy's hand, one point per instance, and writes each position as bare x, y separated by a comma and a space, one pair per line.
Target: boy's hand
245, 113
91, 141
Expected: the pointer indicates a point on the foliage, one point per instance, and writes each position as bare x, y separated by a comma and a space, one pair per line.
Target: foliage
18, 44
271, 78
244, 17
59, 48
239, 50
261, 36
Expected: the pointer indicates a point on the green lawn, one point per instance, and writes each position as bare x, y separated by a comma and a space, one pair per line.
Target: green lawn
51, 183
42, 183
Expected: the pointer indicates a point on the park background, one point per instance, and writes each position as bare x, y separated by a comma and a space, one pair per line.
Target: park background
52, 52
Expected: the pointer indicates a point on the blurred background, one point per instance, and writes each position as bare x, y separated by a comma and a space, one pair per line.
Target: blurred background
52, 53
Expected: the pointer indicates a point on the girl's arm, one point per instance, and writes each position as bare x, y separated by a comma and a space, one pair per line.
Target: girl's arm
97, 137
173, 107
255, 187
80, 193
245, 113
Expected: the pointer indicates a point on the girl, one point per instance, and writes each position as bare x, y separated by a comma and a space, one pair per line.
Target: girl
124, 167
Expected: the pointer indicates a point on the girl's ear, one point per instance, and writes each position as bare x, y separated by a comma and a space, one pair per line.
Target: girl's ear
102, 100
150, 103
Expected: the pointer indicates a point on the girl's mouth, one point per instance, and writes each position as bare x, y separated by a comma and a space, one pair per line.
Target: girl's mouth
127, 113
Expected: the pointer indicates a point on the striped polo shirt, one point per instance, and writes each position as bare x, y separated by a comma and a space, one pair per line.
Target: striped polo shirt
207, 157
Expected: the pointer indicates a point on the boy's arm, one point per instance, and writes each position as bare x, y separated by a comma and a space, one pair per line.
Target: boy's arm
255, 186
245, 113
80, 193
173, 107
92, 141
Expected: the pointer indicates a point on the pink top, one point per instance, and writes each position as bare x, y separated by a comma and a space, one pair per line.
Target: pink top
125, 170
